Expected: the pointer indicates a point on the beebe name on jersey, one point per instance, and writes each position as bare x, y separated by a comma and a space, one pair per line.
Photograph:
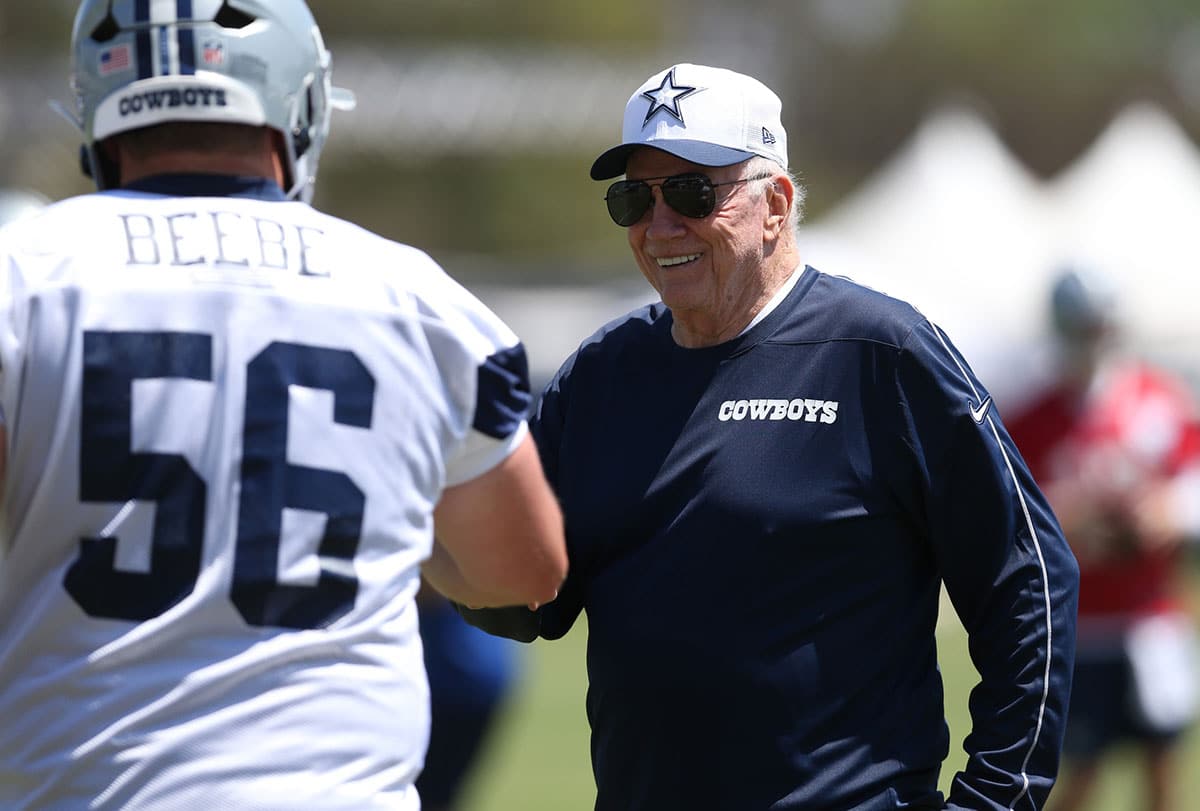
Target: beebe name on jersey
222, 237
805, 409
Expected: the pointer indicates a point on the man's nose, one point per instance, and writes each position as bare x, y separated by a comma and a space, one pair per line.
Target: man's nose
662, 218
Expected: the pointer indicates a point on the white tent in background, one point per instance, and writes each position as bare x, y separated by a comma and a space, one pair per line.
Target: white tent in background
956, 225
1130, 206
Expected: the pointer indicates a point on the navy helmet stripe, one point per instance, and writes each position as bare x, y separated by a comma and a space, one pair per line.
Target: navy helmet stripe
144, 47
164, 51
186, 37
187, 50
142, 43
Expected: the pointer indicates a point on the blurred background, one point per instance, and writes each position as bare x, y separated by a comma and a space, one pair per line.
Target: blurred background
478, 119
956, 154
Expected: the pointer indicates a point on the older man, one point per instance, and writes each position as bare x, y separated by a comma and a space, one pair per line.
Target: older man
766, 479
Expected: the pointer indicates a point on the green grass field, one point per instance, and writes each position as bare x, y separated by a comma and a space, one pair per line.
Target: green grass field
538, 758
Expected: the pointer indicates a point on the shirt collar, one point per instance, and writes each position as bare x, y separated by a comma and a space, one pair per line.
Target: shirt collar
199, 185
776, 299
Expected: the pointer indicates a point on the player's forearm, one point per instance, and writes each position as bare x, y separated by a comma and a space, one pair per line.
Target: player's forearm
504, 531
444, 575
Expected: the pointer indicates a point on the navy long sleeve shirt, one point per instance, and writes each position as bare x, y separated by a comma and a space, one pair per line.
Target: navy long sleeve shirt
759, 531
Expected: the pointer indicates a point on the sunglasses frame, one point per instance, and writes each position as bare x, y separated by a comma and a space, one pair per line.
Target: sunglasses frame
672, 186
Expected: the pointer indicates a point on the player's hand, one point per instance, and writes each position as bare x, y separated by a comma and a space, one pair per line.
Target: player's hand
1098, 521
514, 622
1155, 519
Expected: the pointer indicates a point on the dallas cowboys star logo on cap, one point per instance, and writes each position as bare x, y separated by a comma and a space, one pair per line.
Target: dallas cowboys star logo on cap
667, 97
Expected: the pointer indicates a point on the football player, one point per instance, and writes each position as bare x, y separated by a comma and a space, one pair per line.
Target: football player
231, 425
1115, 443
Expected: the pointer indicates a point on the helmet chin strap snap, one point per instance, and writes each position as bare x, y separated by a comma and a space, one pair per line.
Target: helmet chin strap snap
301, 140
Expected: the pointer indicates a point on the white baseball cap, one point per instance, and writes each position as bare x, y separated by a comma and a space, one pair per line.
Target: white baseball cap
709, 116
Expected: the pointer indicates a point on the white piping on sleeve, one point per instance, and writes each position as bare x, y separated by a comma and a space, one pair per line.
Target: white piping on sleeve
1041, 562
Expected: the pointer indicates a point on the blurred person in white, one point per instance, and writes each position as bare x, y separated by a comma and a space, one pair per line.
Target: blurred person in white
231, 424
1114, 443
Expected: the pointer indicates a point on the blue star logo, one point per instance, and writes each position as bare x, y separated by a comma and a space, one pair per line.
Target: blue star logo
667, 97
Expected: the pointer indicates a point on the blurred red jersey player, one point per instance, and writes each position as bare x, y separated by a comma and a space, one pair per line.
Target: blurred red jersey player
1115, 445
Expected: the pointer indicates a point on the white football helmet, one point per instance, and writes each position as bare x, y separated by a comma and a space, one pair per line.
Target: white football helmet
137, 63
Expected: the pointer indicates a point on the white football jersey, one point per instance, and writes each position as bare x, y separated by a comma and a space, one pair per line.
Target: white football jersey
229, 419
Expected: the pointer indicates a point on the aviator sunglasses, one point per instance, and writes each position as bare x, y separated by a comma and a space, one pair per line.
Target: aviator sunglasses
690, 194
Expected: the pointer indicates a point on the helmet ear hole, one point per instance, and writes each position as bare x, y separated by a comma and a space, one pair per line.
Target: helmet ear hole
106, 30
232, 18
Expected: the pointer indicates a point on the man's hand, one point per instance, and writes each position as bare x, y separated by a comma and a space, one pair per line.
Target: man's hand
515, 622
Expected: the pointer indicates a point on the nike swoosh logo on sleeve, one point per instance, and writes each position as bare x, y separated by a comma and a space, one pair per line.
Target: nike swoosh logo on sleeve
979, 413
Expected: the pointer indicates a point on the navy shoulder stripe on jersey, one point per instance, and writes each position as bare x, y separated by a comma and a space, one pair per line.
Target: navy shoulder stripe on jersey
503, 397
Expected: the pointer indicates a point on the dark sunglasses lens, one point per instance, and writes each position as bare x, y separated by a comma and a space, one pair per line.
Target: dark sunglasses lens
690, 195
627, 201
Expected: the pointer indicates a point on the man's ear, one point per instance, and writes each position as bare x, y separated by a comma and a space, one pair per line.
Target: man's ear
781, 194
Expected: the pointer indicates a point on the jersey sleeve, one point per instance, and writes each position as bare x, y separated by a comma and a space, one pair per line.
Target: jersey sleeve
554, 619
1007, 568
501, 401
484, 369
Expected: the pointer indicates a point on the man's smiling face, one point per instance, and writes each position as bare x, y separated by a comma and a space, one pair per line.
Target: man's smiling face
710, 269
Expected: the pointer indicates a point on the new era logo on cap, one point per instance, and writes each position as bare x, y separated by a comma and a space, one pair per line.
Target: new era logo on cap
709, 116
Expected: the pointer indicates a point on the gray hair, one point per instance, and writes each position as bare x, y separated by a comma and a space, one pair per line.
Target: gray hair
765, 166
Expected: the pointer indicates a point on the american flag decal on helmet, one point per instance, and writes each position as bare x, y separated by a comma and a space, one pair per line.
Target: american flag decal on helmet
115, 59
